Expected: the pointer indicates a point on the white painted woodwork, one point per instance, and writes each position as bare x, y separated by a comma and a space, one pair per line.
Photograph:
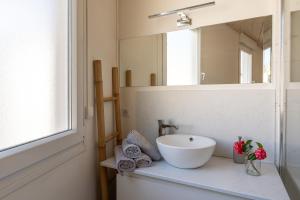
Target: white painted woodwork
219, 175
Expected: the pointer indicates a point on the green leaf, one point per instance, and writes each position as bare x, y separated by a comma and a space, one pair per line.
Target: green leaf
247, 146
259, 145
244, 148
251, 156
248, 142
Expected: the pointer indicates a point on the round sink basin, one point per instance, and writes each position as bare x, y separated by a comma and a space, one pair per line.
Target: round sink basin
186, 151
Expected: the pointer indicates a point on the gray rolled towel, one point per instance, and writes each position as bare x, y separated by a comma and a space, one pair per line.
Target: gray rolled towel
123, 163
131, 150
138, 139
143, 161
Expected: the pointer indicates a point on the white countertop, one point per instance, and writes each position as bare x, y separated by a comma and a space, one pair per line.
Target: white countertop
220, 175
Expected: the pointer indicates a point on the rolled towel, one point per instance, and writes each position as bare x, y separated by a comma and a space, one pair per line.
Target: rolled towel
138, 139
131, 150
143, 161
123, 163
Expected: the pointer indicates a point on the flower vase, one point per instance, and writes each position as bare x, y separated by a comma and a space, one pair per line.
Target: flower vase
239, 158
253, 167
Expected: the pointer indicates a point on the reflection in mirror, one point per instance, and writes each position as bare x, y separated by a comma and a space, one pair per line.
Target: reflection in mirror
295, 46
230, 53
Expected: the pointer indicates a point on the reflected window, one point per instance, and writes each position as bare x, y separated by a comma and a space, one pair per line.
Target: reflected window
267, 65
245, 67
182, 67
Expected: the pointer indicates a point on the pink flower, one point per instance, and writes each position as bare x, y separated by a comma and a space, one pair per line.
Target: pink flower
260, 153
238, 146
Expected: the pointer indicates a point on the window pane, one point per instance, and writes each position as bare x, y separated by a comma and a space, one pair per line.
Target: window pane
246, 67
267, 65
182, 68
33, 70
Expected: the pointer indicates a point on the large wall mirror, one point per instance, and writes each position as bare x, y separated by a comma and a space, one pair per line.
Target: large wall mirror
232, 53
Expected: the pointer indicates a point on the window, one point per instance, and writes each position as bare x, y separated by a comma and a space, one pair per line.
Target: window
36, 71
42, 44
245, 67
182, 48
267, 65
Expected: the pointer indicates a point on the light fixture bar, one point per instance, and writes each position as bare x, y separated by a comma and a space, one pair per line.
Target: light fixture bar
212, 3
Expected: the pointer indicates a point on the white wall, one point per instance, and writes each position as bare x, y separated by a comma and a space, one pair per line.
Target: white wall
222, 114
295, 47
76, 178
143, 56
292, 89
292, 138
257, 66
133, 14
293, 128
220, 55
220, 46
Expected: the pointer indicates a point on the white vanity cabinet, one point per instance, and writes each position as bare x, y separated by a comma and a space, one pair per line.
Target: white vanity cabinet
135, 187
219, 179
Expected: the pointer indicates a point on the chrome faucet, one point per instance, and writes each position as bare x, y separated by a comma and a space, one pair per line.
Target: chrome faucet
162, 126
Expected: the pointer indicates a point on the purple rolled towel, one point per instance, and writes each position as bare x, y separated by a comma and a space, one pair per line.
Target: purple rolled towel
138, 139
123, 163
131, 150
143, 161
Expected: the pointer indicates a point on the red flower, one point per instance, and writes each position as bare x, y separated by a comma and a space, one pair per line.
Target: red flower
238, 146
260, 153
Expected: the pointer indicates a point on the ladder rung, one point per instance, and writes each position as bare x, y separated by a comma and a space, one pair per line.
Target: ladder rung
106, 99
111, 136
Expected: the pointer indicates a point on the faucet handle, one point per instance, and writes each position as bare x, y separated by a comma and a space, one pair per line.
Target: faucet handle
176, 127
160, 122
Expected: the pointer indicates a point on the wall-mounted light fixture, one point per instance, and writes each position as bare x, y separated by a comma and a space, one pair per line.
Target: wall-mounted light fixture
177, 11
184, 20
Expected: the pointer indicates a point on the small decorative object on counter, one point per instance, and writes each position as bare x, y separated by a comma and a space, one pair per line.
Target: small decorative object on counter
243, 153
253, 165
239, 156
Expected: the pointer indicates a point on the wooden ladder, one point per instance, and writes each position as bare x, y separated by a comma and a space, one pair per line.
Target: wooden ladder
104, 138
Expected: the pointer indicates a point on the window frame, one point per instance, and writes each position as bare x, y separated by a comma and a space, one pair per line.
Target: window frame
18, 158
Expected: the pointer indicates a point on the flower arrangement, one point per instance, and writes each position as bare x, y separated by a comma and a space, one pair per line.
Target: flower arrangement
246, 147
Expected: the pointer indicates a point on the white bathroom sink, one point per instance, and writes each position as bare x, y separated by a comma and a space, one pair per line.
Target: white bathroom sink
186, 151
